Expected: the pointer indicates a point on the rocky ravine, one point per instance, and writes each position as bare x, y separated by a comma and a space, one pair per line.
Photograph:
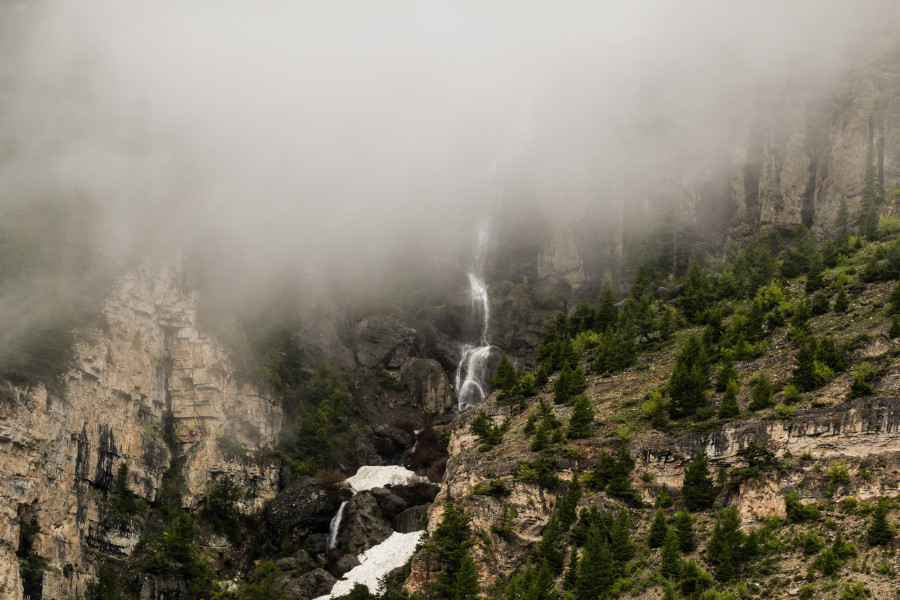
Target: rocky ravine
150, 366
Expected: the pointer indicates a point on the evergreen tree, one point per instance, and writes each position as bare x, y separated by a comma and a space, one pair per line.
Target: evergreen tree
724, 374
549, 549
622, 546
607, 315
465, 587
582, 319
639, 312
595, 569
658, 530
730, 408
693, 579
615, 352
506, 378
561, 393
871, 199
697, 293
880, 531
842, 222
450, 544
541, 439
761, 392
528, 386
671, 556
582, 418
577, 382
567, 515
668, 324
663, 497
689, 381
697, 489
842, 302
804, 375
684, 529
724, 549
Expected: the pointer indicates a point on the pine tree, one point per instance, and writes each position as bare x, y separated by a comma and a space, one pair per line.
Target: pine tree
663, 497
561, 393
804, 375
506, 378
684, 528
689, 381
761, 392
725, 545
569, 502
730, 408
671, 556
450, 544
465, 587
622, 545
582, 419
842, 302
842, 222
595, 569
607, 315
668, 323
880, 531
697, 489
697, 293
577, 382
658, 530
528, 386
724, 374
541, 438
549, 549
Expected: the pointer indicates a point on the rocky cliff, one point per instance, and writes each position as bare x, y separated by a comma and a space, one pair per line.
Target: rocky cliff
149, 390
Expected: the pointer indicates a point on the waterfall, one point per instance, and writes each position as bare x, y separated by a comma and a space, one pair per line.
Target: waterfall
472, 383
335, 527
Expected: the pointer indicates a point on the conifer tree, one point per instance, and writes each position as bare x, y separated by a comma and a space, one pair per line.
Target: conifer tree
577, 382
595, 569
697, 489
567, 515
668, 323
658, 530
607, 315
663, 497
880, 531
684, 529
465, 587
506, 378
697, 293
671, 556
450, 544
842, 222
582, 419
528, 386
761, 392
804, 375
724, 374
541, 438
548, 550
622, 545
730, 408
724, 549
842, 302
561, 393
689, 381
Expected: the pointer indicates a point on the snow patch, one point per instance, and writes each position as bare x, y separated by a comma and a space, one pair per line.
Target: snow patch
376, 562
372, 477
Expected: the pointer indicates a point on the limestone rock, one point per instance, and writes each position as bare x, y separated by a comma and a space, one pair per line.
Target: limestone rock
383, 339
411, 519
428, 385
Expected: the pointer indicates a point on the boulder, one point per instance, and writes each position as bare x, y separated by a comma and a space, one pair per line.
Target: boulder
395, 434
364, 525
303, 504
390, 503
411, 519
383, 339
342, 564
317, 582
428, 386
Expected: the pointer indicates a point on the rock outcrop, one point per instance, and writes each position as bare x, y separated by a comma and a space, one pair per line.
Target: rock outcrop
148, 387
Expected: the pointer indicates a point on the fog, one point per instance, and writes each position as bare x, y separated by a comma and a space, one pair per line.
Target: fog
331, 137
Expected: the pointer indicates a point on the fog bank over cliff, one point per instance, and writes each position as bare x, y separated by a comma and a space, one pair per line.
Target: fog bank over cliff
333, 137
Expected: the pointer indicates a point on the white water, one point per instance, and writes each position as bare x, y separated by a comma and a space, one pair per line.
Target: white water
376, 562
335, 527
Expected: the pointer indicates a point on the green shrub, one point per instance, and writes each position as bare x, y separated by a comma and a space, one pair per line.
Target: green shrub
785, 412
542, 471
798, 512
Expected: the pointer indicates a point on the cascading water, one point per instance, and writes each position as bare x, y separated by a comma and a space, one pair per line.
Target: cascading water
334, 527
472, 383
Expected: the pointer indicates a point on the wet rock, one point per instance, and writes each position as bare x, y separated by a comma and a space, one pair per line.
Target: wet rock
395, 434
364, 525
300, 505
411, 519
383, 340
428, 386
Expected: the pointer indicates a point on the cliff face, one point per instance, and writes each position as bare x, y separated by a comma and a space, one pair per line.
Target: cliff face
150, 377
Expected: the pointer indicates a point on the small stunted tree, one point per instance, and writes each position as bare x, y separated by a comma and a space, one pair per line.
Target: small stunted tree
697, 489
582, 419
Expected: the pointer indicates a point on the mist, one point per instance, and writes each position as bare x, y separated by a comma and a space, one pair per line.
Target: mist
334, 139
